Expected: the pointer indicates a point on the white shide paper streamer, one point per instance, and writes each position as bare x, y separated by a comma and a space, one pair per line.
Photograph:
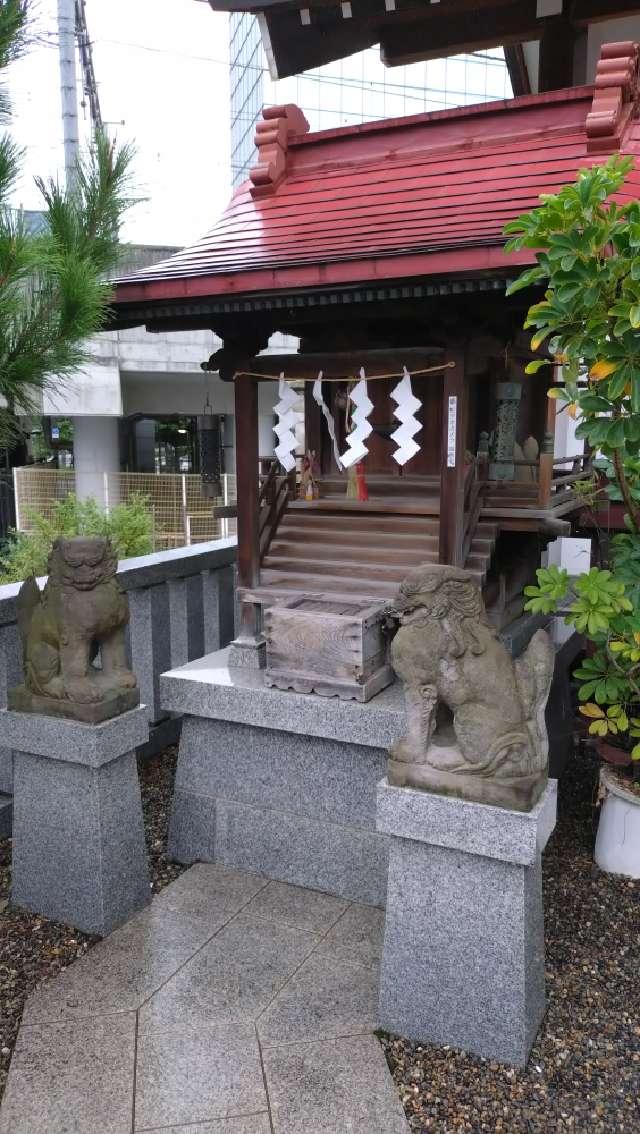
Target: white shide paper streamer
357, 450
407, 406
284, 429
328, 417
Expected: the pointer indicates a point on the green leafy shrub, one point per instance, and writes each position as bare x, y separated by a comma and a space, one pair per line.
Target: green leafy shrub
587, 250
129, 526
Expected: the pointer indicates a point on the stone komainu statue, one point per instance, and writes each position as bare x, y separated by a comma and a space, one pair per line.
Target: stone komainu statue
475, 717
81, 613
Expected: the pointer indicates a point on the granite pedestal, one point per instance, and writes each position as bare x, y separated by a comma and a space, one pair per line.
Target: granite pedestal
280, 783
78, 838
463, 959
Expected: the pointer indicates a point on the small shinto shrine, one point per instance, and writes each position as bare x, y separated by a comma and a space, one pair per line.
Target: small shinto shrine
380, 248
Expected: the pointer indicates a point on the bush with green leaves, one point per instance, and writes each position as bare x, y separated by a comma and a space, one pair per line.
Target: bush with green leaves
129, 525
587, 251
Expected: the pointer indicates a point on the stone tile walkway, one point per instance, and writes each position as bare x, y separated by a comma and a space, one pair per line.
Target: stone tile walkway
233, 1005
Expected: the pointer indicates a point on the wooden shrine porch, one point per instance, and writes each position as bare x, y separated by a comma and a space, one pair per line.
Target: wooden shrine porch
337, 547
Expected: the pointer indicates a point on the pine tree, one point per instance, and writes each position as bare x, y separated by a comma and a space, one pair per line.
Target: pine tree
53, 289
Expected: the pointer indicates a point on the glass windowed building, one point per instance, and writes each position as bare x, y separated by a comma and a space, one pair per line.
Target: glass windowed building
357, 89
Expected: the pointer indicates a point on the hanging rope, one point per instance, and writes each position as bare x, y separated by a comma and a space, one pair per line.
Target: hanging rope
346, 378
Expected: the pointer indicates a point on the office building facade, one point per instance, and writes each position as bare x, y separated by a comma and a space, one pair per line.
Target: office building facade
357, 89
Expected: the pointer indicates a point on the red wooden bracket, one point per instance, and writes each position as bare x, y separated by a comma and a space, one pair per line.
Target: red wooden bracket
279, 124
616, 89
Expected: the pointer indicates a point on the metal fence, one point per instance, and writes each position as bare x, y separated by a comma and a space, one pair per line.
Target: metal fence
182, 515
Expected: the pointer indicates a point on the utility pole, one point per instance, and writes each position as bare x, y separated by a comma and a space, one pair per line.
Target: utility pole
68, 87
86, 60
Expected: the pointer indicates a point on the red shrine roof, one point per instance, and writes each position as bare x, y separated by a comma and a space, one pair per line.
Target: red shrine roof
427, 195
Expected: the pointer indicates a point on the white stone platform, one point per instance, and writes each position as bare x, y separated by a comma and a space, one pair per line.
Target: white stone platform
232, 1005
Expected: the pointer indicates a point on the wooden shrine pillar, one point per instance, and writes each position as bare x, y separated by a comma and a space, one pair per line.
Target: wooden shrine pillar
547, 452
454, 434
249, 639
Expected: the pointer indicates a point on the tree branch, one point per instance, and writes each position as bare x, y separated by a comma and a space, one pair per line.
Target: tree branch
623, 484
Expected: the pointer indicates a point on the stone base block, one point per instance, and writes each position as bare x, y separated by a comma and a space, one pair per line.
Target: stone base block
248, 654
22, 700
78, 838
293, 807
463, 961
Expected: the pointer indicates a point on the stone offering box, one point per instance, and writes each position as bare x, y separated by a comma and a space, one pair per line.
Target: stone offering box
333, 648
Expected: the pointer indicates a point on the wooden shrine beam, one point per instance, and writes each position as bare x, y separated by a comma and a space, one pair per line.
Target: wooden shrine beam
346, 364
557, 44
454, 432
584, 12
517, 67
432, 37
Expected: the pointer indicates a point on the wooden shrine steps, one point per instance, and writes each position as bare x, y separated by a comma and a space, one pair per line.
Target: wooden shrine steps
328, 550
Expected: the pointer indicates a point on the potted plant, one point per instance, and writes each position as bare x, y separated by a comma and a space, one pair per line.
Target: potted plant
587, 251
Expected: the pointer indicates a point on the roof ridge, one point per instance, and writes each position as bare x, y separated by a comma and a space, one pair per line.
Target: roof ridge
470, 110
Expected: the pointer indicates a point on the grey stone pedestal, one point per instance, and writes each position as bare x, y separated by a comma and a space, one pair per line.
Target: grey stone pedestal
280, 783
463, 961
78, 839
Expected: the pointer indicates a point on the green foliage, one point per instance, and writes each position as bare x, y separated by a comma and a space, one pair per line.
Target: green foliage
129, 526
603, 606
588, 257
53, 294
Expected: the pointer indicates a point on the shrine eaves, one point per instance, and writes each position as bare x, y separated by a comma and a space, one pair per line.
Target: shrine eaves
301, 34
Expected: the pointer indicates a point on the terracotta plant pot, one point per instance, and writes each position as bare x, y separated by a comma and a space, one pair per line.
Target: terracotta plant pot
617, 848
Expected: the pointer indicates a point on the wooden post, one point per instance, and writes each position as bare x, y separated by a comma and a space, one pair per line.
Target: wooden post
454, 431
246, 413
545, 472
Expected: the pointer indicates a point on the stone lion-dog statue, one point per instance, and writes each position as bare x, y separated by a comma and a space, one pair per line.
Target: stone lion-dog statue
475, 717
81, 614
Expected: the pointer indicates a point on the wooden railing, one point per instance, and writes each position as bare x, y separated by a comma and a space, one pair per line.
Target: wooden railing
555, 481
473, 489
274, 494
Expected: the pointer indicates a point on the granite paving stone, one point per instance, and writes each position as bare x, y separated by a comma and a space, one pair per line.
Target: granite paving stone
72, 1078
190, 1075
249, 1124
298, 907
326, 998
123, 970
357, 937
210, 890
233, 978
341, 1087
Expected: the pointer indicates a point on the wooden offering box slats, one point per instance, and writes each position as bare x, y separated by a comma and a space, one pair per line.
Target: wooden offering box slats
332, 647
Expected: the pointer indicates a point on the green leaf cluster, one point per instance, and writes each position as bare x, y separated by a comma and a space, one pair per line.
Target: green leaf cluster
587, 250
129, 525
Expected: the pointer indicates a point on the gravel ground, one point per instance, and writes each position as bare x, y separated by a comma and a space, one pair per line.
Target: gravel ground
33, 948
584, 1071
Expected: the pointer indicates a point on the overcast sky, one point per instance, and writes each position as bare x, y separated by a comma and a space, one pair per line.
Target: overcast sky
162, 68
